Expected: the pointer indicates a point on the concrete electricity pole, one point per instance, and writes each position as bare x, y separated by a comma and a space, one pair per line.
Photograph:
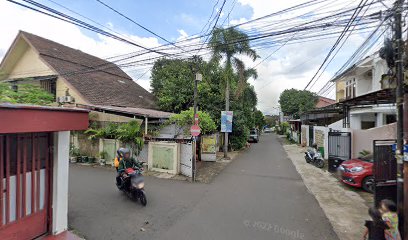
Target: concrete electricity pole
227, 103
401, 165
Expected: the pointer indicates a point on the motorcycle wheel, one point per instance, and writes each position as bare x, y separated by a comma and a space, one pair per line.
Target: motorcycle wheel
143, 199
307, 159
320, 163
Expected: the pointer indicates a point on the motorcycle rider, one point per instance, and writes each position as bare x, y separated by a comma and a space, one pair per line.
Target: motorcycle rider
126, 162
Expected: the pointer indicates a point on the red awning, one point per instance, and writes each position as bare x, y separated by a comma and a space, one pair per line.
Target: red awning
16, 118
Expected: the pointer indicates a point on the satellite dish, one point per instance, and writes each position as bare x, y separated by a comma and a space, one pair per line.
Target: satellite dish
387, 53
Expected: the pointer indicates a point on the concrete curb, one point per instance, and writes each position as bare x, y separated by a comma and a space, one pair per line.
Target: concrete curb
345, 209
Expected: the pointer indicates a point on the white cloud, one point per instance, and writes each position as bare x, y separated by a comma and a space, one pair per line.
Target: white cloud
14, 18
295, 64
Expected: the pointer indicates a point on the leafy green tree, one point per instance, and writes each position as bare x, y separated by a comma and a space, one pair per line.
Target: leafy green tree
186, 118
131, 134
172, 82
293, 102
240, 131
229, 44
25, 94
109, 132
259, 119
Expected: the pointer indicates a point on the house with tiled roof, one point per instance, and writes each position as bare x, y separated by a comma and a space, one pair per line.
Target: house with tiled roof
77, 78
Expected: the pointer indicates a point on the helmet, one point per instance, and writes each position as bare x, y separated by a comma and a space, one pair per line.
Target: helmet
123, 152
314, 145
119, 152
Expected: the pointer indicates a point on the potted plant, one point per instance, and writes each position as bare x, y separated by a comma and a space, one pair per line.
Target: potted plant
102, 157
74, 153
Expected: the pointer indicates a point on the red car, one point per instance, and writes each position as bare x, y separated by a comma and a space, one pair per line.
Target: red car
358, 173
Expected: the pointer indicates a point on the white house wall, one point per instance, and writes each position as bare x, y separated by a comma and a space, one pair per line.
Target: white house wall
363, 139
379, 68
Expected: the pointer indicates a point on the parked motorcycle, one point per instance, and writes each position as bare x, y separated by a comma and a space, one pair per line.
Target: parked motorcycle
133, 184
314, 157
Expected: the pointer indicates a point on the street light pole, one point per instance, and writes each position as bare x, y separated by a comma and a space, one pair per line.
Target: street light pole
198, 77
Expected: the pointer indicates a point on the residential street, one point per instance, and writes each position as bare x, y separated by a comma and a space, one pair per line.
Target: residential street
258, 196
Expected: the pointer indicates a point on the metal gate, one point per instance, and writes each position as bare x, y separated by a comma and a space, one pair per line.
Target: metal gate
384, 171
311, 136
25, 173
339, 149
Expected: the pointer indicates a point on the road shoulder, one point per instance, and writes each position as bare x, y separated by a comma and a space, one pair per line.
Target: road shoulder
345, 209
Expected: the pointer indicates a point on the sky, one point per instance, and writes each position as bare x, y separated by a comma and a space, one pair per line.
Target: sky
292, 66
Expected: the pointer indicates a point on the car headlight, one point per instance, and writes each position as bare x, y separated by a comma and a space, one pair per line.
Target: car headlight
356, 169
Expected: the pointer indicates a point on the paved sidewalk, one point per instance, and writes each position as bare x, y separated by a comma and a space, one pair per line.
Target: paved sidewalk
345, 209
67, 235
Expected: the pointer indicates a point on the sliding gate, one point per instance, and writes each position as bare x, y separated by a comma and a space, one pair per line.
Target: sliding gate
339, 149
25, 174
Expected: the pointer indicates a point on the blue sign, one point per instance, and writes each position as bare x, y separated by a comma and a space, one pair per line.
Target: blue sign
226, 121
394, 148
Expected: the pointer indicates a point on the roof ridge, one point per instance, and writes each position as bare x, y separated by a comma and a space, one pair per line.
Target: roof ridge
86, 56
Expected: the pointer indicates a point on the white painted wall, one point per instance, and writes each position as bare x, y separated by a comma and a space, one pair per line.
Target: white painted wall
363, 84
379, 68
355, 121
337, 126
363, 139
380, 120
60, 182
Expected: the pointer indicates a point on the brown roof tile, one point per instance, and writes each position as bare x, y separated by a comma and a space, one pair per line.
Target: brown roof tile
99, 81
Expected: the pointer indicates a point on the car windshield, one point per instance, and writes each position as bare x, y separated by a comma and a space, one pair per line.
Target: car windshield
253, 131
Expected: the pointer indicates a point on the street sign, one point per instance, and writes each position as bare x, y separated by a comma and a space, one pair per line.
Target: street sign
226, 121
195, 130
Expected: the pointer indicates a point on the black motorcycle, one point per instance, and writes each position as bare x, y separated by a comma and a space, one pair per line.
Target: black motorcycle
314, 157
132, 183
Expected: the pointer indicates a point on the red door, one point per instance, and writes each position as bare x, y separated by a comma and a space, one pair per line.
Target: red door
25, 173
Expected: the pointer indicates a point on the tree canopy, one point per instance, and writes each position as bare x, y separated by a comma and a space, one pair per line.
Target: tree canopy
186, 119
172, 83
293, 102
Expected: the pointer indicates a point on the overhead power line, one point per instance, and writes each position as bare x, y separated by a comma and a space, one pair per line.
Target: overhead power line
352, 19
138, 24
64, 17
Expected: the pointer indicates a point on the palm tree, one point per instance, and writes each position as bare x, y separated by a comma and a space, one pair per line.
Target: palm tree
229, 43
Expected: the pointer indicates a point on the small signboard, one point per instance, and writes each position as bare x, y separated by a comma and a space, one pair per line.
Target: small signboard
226, 121
195, 130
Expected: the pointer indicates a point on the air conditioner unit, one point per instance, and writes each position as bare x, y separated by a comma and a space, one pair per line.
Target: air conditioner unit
65, 99
61, 99
69, 99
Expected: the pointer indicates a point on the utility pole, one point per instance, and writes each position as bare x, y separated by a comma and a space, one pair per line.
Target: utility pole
399, 68
227, 102
197, 77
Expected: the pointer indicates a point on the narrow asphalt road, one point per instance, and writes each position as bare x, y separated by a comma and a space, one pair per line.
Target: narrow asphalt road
258, 196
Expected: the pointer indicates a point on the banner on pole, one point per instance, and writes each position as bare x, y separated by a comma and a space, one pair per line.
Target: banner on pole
226, 121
